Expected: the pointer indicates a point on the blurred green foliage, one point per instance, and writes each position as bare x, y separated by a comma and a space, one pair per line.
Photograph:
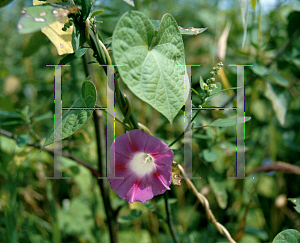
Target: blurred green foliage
33, 209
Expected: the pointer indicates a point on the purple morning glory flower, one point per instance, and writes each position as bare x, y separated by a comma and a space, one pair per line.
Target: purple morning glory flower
143, 161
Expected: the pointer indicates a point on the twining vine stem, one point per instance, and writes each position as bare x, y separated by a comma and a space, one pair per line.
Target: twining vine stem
203, 200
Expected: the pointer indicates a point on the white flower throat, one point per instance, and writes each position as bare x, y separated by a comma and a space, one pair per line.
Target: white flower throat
142, 164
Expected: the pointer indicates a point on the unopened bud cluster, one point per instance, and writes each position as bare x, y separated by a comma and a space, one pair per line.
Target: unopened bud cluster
67, 25
209, 85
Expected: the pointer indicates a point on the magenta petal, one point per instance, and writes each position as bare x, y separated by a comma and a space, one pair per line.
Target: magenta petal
122, 146
138, 140
155, 146
165, 158
144, 163
161, 179
132, 189
120, 165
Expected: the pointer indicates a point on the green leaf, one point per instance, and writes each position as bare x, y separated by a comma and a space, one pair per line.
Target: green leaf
86, 7
133, 215
155, 73
183, 31
279, 80
228, 122
74, 169
70, 57
279, 102
4, 3
130, 2
150, 206
73, 120
22, 140
259, 69
78, 37
296, 201
218, 90
8, 114
191, 30
209, 155
218, 186
96, 13
45, 116
287, 236
36, 17
201, 83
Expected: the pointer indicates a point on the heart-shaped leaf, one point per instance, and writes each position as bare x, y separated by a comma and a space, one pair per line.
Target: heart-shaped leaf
183, 31
130, 2
287, 236
154, 73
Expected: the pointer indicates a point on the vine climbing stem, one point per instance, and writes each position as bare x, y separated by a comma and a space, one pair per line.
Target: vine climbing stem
203, 200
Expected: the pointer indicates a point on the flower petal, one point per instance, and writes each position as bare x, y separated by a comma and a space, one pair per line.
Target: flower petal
161, 178
132, 188
143, 176
138, 140
122, 146
165, 158
155, 146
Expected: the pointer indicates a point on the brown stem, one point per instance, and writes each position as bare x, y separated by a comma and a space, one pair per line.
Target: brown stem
67, 155
103, 183
277, 166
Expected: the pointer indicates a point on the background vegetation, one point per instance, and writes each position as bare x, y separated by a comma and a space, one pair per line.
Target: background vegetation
33, 209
